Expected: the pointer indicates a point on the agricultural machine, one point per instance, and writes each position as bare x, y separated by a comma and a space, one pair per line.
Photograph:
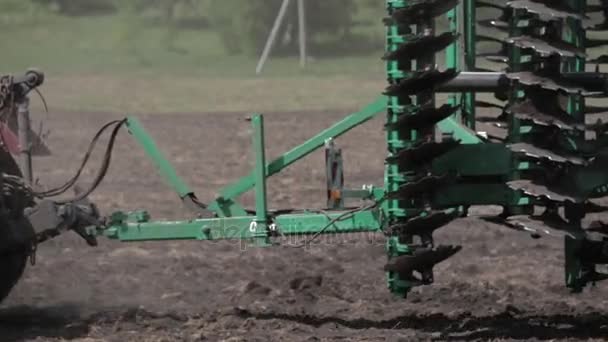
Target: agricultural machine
544, 162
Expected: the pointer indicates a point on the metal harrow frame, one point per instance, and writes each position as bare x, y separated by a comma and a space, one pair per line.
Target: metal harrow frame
543, 163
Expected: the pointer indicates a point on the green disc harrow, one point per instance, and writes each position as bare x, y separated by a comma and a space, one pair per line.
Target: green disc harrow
543, 158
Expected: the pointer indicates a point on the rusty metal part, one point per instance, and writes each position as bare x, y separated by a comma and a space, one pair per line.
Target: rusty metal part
426, 116
420, 82
421, 45
422, 154
543, 154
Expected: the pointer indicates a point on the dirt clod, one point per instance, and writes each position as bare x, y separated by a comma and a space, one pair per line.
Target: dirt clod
305, 283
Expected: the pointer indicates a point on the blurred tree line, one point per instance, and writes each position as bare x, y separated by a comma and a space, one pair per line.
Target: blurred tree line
242, 25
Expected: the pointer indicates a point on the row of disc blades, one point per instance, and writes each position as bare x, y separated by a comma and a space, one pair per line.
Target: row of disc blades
566, 152
567, 168
416, 123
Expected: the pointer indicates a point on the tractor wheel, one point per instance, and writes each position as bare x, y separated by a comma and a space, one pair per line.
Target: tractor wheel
14, 258
12, 266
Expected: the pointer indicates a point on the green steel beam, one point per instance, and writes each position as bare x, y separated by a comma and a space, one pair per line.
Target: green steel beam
260, 169
137, 226
164, 166
470, 22
452, 54
226, 206
261, 210
460, 132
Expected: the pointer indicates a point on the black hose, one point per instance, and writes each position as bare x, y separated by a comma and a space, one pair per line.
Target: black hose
101, 173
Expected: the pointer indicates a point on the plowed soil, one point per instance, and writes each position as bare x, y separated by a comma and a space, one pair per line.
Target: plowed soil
503, 285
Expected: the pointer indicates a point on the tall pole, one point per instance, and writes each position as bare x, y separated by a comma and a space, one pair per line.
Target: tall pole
272, 37
302, 32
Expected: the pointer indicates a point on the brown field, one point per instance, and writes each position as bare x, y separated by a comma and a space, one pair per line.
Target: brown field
503, 285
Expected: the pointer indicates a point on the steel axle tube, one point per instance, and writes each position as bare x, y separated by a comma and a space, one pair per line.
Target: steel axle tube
494, 81
475, 81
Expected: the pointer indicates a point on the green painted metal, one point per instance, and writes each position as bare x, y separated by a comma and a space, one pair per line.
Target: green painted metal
470, 51
261, 210
472, 160
472, 193
516, 129
514, 65
397, 210
452, 53
137, 226
225, 205
460, 132
163, 165
575, 35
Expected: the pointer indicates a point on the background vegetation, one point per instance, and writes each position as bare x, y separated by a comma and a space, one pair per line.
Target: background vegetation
194, 55
242, 25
